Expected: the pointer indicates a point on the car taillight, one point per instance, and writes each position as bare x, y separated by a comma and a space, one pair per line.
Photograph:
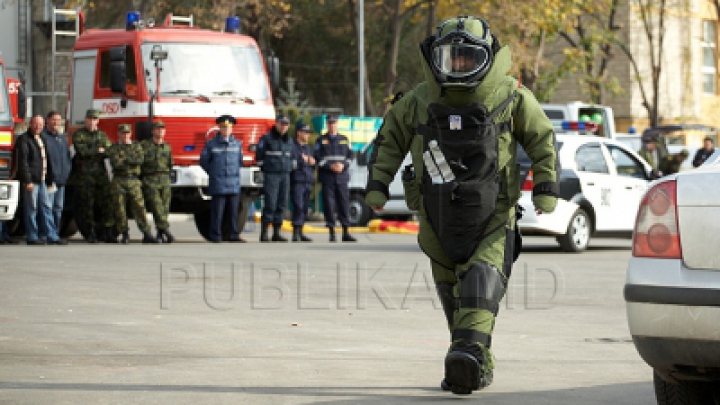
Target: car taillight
656, 231
528, 183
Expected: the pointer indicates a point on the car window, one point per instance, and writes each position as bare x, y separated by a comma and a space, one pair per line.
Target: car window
626, 164
589, 158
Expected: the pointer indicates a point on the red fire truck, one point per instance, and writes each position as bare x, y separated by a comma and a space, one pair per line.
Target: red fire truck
12, 112
186, 77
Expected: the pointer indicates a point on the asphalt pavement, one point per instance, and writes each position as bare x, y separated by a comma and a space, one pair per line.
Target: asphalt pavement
301, 323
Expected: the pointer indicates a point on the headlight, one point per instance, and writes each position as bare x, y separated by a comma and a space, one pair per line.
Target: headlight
5, 191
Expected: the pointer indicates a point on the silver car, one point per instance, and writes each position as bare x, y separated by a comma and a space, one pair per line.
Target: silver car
673, 285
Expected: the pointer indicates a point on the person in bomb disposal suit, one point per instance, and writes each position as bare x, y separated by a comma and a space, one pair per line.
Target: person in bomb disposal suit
301, 181
156, 167
274, 156
90, 145
221, 159
126, 158
333, 156
462, 126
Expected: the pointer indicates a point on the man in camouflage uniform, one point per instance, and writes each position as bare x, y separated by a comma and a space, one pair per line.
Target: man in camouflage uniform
156, 167
93, 184
126, 158
462, 126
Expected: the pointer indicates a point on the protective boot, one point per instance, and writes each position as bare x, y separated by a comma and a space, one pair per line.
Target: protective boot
331, 231
304, 238
296, 234
110, 236
148, 238
276, 234
167, 236
346, 235
264, 232
464, 369
125, 238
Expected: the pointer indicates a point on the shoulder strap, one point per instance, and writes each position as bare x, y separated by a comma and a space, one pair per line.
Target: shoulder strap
494, 113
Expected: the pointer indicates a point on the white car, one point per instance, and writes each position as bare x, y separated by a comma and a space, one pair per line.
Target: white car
672, 288
601, 184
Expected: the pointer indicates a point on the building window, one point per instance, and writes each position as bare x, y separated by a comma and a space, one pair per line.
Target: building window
709, 67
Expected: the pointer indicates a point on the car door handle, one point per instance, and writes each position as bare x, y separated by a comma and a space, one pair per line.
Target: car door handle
590, 183
628, 187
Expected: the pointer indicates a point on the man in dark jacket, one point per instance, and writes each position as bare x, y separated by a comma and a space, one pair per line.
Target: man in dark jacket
58, 155
221, 159
704, 153
333, 154
274, 156
301, 181
35, 174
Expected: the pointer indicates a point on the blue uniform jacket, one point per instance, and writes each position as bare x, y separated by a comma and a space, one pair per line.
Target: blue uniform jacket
222, 160
58, 156
329, 149
274, 153
303, 172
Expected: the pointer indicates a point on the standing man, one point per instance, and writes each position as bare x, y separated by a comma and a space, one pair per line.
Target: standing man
156, 167
333, 154
221, 159
274, 156
704, 154
90, 145
462, 126
650, 152
301, 180
35, 175
126, 158
58, 154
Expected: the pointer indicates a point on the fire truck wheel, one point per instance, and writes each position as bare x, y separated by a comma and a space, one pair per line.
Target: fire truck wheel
68, 227
202, 220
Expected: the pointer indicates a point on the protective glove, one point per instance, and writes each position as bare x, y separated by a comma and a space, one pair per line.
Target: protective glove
375, 199
545, 202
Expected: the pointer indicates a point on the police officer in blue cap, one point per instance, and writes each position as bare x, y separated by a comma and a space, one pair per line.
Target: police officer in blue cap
221, 159
333, 154
301, 180
274, 156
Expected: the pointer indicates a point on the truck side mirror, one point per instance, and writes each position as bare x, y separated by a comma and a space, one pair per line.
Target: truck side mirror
118, 75
21, 102
273, 64
143, 130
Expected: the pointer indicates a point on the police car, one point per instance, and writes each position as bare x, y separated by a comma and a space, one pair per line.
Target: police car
601, 184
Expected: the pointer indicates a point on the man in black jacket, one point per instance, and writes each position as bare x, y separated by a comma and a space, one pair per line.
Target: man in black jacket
36, 177
58, 156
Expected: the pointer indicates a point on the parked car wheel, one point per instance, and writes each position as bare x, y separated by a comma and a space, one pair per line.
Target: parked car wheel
360, 213
683, 393
577, 237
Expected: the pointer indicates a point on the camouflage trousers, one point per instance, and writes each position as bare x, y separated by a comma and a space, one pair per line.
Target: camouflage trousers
128, 191
95, 198
156, 190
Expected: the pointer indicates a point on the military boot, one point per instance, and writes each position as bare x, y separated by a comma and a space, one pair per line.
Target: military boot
331, 231
346, 235
125, 238
264, 232
296, 234
276, 234
303, 237
464, 372
148, 238
166, 236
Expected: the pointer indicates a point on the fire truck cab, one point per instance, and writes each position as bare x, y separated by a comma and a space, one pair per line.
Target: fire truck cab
186, 77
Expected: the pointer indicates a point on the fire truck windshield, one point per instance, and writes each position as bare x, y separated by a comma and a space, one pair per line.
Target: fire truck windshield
208, 71
5, 118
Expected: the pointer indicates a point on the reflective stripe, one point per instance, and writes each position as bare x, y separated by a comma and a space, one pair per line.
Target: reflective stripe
335, 157
442, 164
273, 153
431, 168
223, 150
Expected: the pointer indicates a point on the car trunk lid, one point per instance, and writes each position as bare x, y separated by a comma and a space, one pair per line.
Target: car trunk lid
698, 204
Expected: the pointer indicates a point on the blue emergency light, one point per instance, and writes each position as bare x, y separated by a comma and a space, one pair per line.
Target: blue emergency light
132, 20
232, 24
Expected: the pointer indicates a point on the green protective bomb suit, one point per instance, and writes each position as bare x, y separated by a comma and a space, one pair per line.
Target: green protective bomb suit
472, 280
